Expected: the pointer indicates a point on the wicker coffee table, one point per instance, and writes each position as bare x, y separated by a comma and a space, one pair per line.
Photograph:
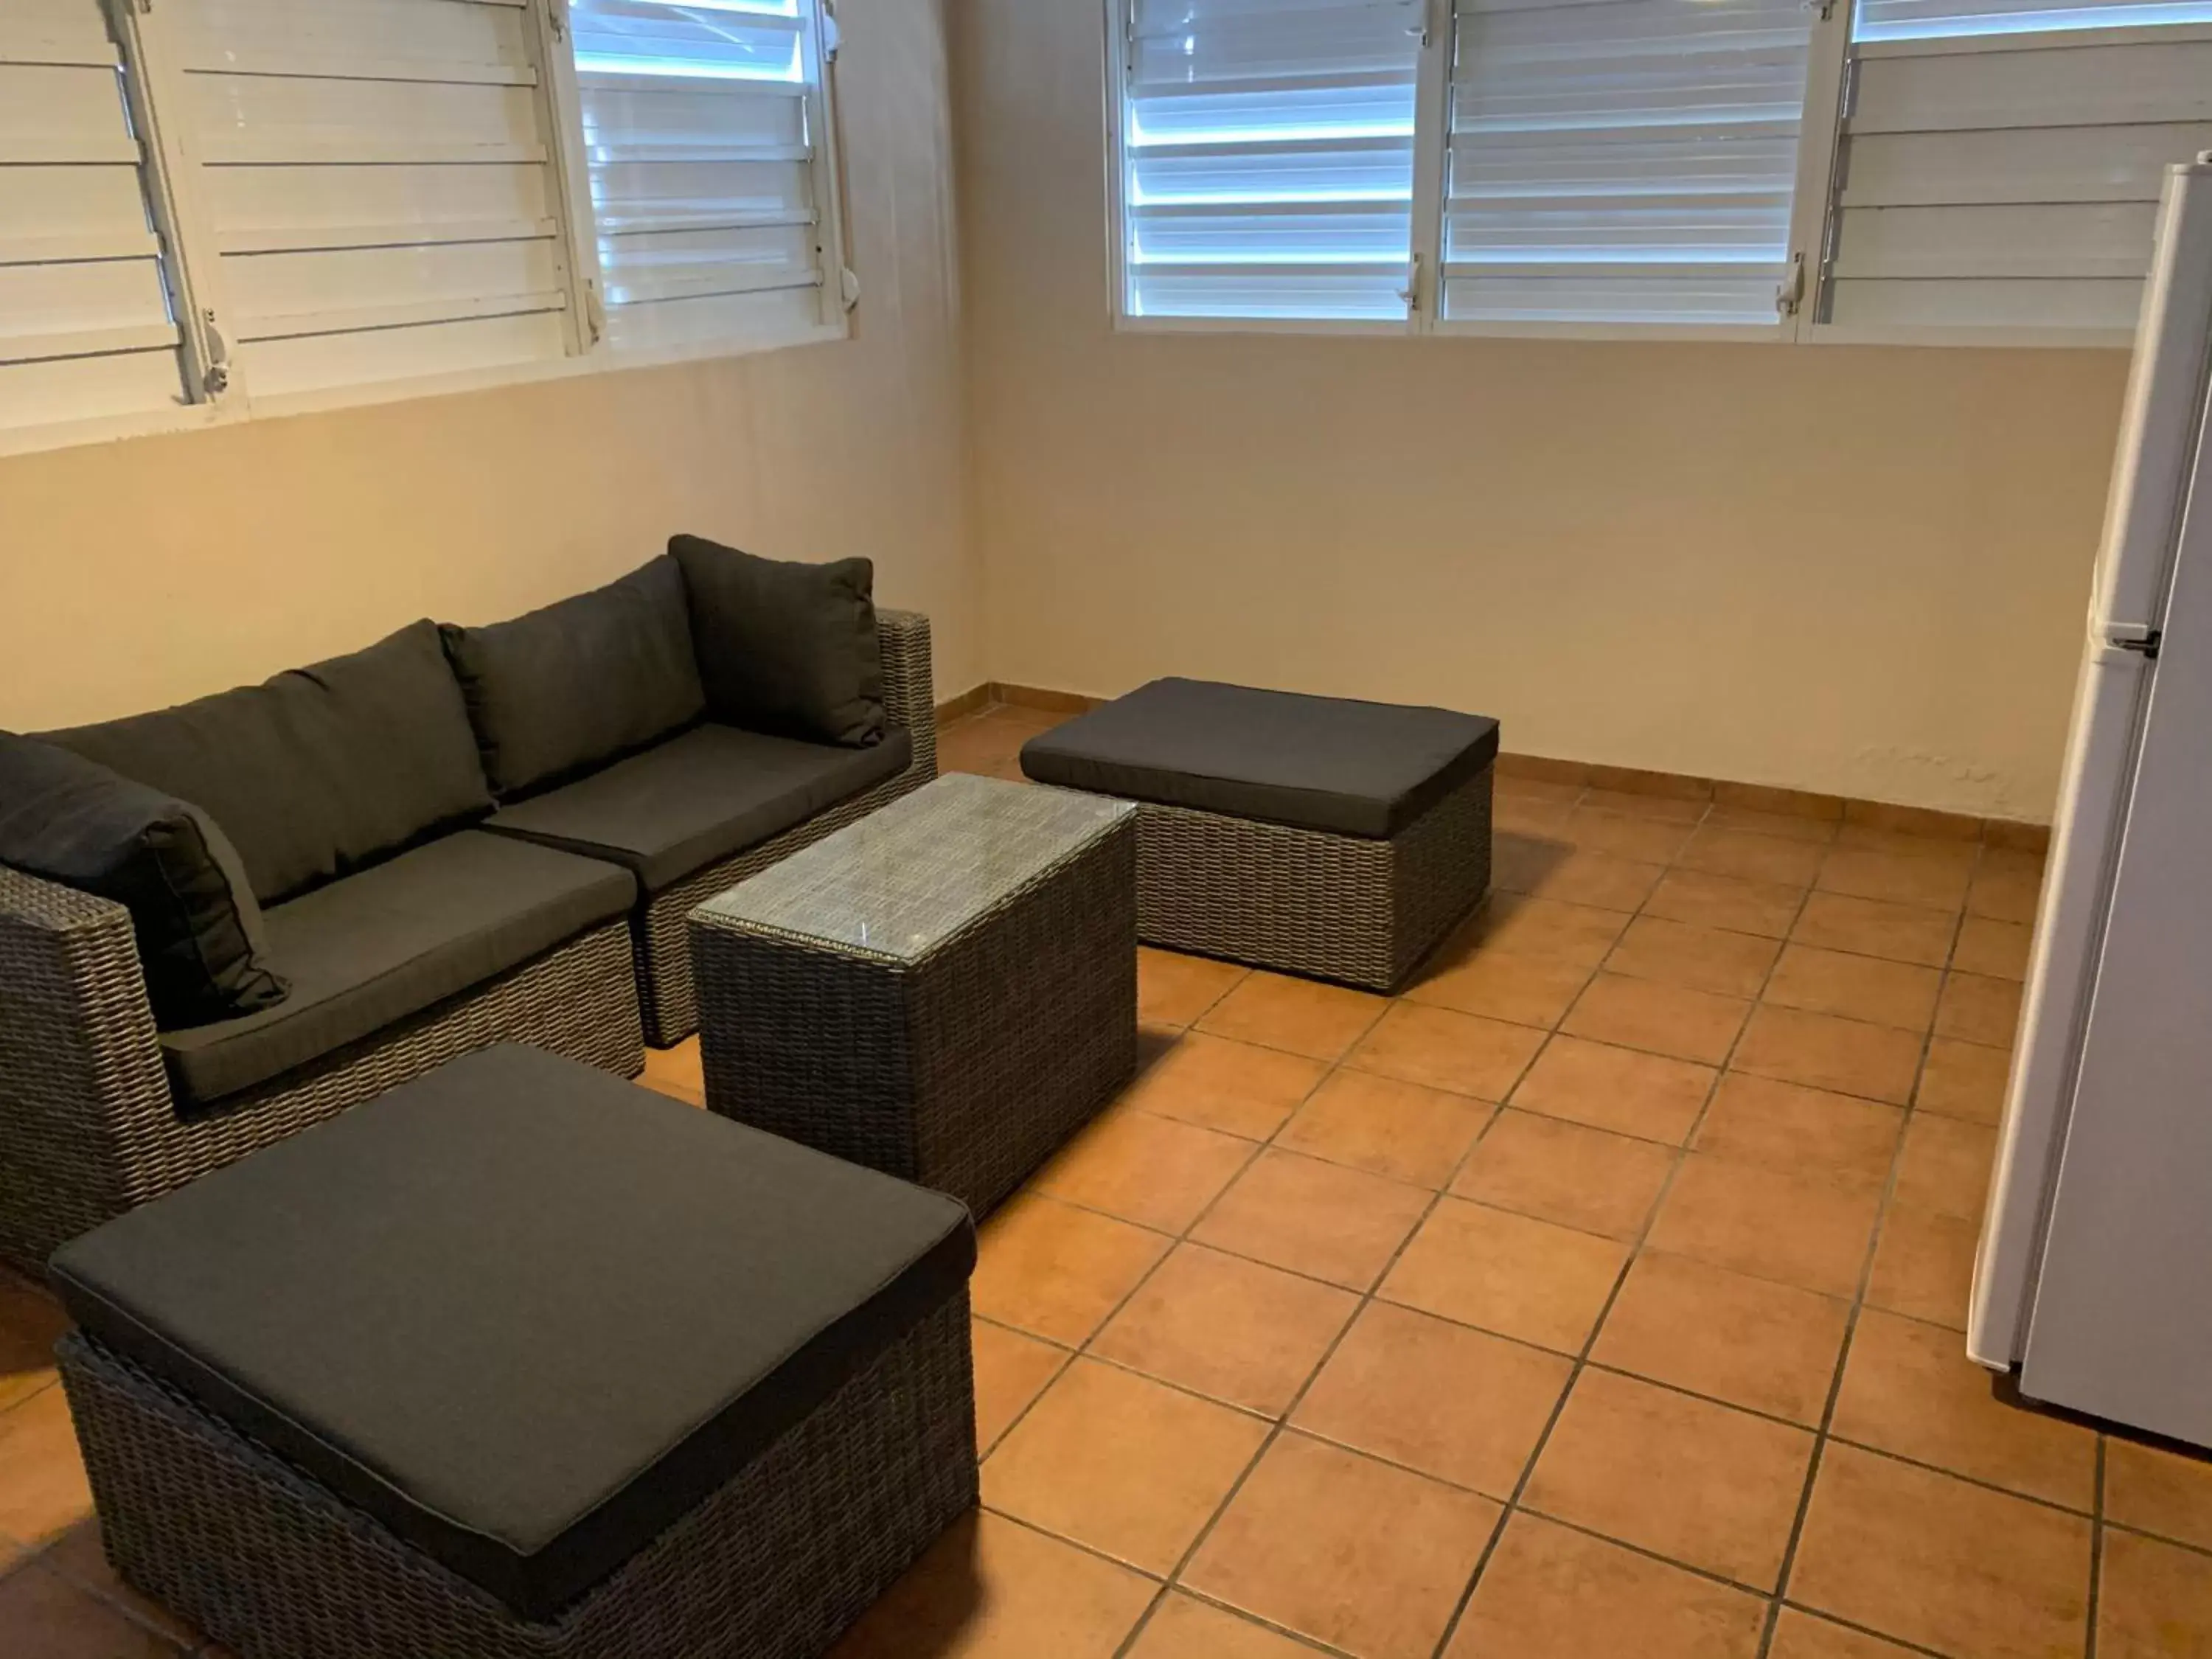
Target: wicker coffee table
944, 991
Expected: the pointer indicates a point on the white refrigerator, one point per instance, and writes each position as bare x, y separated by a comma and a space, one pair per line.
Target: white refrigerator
2093, 1276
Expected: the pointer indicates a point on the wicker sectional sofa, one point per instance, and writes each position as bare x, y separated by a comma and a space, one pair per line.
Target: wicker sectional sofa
550, 915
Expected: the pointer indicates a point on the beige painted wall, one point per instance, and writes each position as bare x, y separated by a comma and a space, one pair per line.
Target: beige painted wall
136, 574
1853, 570
1846, 569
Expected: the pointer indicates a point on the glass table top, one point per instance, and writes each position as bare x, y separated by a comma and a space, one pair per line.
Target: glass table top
905, 878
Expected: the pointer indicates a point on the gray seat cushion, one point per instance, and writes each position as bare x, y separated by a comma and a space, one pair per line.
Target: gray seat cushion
393, 940
318, 771
702, 796
1328, 764
524, 1314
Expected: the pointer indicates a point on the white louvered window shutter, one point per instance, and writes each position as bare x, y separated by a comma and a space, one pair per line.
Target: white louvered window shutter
1623, 160
2001, 160
378, 177
85, 326
1268, 158
708, 136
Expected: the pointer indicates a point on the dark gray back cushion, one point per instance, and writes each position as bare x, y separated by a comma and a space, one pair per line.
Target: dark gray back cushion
555, 692
317, 771
198, 927
787, 650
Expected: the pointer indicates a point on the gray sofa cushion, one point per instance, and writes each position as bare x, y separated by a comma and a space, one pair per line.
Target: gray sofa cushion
1326, 763
574, 683
700, 797
197, 926
392, 941
786, 648
535, 1315
317, 771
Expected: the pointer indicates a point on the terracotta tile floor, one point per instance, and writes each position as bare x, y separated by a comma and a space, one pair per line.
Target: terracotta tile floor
1601, 1296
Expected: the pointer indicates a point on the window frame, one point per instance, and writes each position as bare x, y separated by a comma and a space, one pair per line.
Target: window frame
1828, 85
152, 81
1121, 24
839, 291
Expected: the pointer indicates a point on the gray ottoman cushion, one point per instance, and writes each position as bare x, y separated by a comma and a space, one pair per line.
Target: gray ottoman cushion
1326, 764
524, 1315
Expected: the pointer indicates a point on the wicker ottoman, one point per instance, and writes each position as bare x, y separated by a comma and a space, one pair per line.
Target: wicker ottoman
519, 1361
1311, 834
944, 991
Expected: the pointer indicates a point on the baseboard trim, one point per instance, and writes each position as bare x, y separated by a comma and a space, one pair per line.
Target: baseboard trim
976, 697
1921, 821
1042, 697
1629, 781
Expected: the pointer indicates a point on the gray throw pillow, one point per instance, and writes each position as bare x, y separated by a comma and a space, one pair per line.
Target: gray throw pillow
575, 683
787, 649
198, 927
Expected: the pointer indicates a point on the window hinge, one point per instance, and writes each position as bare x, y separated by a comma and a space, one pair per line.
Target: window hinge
556, 18
1790, 292
833, 37
848, 286
595, 313
1411, 294
216, 380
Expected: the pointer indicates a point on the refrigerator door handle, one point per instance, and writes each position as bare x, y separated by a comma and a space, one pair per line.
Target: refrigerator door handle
2139, 638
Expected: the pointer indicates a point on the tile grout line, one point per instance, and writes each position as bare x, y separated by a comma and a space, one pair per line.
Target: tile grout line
1661, 1383
1078, 1351
1281, 1424
1824, 1432
1082, 1351
36, 1562
1682, 1151
1277, 1424
1515, 1504
1367, 1298
1783, 1602
1371, 1297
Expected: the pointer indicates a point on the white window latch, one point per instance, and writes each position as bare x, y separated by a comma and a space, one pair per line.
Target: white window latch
1411, 294
848, 286
595, 313
556, 18
1790, 292
833, 38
